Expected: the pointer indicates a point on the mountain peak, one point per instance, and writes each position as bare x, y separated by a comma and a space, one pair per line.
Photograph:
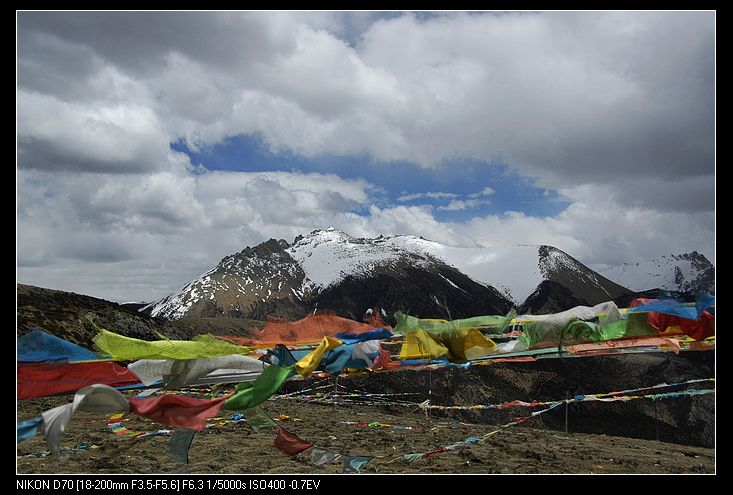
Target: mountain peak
270, 246
330, 234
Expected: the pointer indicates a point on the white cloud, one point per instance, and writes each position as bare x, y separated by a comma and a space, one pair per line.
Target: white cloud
614, 109
599, 230
415, 220
454, 204
141, 236
430, 195
572, 98
171, 223
460, 204
58, 135
486, 191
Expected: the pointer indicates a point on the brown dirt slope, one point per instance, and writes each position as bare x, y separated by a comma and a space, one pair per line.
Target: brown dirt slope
236, 448
685, 420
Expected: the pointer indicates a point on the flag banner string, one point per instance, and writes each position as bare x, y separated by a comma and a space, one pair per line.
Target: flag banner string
318, 454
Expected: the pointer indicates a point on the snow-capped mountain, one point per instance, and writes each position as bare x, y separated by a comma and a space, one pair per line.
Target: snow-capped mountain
332, 270
690, 272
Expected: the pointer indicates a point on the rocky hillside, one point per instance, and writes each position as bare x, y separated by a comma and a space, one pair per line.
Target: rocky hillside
253, 283
64, 314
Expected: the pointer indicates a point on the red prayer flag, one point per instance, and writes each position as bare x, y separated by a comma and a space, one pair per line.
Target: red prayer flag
176, 410
44, 379
384, 360
698, 329
432, 454
290, 443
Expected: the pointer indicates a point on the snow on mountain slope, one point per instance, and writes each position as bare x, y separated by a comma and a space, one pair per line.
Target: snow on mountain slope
176, 305
275, 277
328, 256
263, 276
690, 272
518, 271
513, 270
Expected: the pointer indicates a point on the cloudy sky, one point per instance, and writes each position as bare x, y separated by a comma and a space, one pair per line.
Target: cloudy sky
151, 145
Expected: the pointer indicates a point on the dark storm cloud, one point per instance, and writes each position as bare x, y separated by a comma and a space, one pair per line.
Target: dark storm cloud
141, 41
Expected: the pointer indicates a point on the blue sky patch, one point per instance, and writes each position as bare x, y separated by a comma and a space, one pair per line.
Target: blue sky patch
458, 189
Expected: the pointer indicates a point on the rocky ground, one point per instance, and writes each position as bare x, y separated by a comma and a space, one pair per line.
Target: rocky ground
236, 448
603, 437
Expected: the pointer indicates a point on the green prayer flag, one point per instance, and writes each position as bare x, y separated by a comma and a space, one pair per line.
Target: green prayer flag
251, 394
202, 346
406, 323
258, 419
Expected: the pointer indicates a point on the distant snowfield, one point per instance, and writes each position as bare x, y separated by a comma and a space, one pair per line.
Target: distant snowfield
328, 256
513, 270
660, 273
